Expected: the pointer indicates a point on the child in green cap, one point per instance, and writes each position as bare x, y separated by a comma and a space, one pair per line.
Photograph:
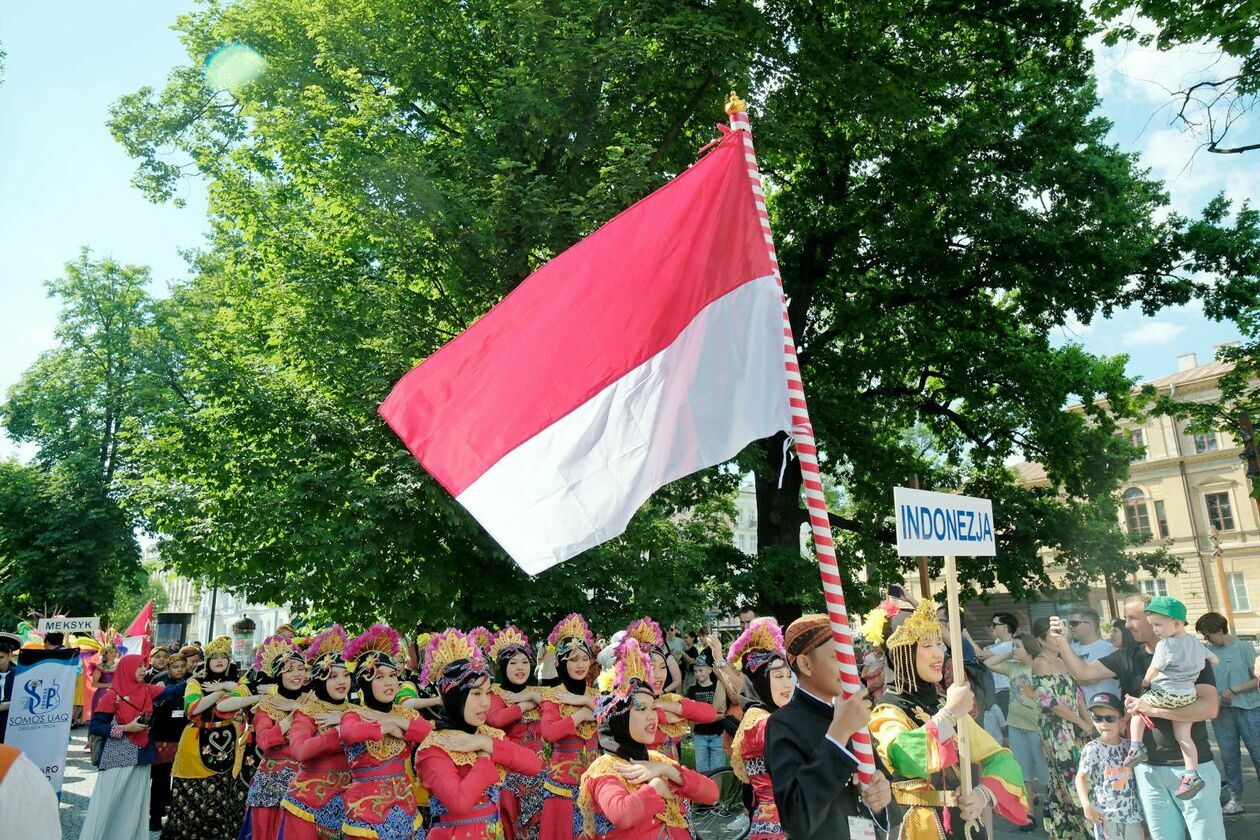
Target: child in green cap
1169, 683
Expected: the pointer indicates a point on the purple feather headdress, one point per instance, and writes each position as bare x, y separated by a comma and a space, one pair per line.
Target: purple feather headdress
762, 642
453, 660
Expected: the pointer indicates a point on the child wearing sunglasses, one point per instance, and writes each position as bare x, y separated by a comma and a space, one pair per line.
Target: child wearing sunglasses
1104, 783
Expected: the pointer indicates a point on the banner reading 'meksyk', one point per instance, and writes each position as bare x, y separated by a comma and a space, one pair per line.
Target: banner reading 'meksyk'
41, 707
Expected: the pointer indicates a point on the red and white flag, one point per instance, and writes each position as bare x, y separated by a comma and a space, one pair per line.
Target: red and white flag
138, 637
649, 350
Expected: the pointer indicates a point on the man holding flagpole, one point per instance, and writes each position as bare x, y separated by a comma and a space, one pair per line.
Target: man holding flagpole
808, 754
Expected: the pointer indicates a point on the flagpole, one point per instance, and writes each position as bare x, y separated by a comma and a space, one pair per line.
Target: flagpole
807, 454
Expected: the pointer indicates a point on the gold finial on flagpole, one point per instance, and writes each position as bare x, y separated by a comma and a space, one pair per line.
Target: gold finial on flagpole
734, 103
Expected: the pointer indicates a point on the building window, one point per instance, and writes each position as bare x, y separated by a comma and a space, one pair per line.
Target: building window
1136, 517
1153, 587
1161, 520
1206, 443
1138, 438
1220, 514
1238, 596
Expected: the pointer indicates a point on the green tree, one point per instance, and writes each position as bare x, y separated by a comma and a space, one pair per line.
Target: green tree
1212, 106
58, 545
944, 199
78, 404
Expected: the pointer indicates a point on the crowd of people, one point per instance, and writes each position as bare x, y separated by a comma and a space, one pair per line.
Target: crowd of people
1108, 721
461, 735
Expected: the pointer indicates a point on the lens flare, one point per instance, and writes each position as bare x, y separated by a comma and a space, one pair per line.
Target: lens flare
233, 66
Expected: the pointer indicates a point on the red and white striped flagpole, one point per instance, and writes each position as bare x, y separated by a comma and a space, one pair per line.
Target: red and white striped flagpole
807, 453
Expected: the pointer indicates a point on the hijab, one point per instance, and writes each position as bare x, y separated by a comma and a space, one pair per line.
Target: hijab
453, 702
614, 730
919, 692
571, 685
756, 669
505, 656
128, 698
321, 688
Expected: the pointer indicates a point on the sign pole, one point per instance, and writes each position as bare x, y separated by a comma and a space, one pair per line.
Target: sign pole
807, 455
960, 677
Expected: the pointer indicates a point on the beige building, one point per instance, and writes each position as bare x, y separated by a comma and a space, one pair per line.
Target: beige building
1181, 489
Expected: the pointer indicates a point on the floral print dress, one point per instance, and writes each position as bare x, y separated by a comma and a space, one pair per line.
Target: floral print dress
1062, 743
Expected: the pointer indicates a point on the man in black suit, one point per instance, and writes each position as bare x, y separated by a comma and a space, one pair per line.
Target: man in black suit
813, 772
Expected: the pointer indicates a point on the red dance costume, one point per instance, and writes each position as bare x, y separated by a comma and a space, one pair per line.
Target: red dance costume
748, 760
520, 800
614, 808
464, 788
380, 801
315, 807
275, 773
571, 753
670, 735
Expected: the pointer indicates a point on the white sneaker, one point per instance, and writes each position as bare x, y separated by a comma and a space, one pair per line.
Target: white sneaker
1233, 807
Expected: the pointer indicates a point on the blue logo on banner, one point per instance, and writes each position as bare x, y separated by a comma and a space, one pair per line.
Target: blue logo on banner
41, 700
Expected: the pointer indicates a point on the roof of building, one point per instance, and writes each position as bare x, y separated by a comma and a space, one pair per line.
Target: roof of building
1209, 370
1030, 472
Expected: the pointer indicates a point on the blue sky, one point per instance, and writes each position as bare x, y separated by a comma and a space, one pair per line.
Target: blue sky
65, 183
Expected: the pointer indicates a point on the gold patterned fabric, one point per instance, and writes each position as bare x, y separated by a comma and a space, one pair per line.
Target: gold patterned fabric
464, 759
605, 765
751, 718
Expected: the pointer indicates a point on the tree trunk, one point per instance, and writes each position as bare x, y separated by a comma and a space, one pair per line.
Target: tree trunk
779, 519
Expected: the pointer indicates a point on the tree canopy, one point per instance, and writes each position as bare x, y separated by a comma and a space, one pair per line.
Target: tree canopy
944, 200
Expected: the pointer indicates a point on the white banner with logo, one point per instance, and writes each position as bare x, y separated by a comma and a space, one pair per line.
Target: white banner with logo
41, 707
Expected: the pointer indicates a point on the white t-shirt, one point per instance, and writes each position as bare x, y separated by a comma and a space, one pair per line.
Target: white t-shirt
1093, 652
1001, 682
28, 806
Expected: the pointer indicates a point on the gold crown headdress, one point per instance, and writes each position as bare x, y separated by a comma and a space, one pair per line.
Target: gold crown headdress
273, 653
378, 646
647, 632
482, 637
920, 626
762, 635
446, 650
571, 632
325, 652
219, 646
632, 674
509, 640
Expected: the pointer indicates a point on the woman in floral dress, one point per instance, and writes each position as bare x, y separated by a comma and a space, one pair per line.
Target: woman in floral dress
1064, 733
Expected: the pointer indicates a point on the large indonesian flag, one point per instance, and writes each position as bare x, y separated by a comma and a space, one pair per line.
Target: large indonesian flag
649, 350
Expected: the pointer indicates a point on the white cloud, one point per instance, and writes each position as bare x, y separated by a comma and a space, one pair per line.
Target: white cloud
1153, 333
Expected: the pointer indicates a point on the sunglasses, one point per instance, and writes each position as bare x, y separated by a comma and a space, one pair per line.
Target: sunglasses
1076, 622
1097, 718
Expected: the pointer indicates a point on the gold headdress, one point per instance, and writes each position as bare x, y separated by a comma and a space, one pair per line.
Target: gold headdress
647, 633
220, 646
510, 638
325, 652
449, 649
762, 635
920, 626
273, 653
632, 674
378, 646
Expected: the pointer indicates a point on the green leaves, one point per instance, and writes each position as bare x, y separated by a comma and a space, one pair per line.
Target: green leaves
944, 200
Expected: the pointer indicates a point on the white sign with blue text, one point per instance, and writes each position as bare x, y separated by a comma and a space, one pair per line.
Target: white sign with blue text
942, 524
41, 708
